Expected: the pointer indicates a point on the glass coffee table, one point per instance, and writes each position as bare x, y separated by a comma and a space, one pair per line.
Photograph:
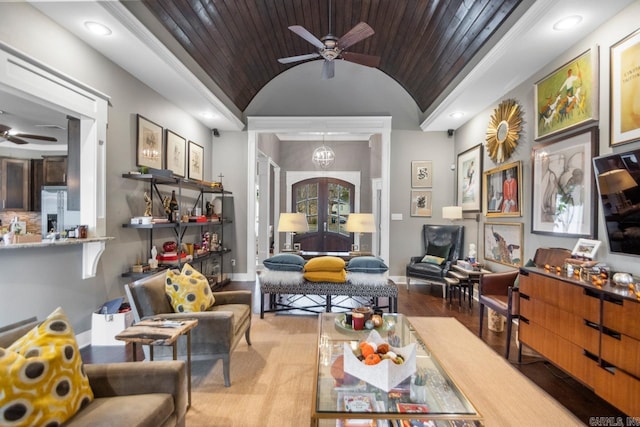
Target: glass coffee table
342, 400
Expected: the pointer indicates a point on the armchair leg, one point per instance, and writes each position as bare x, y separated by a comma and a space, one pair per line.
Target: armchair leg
408, 283
225, 370
247, 335
481, 319
509, 328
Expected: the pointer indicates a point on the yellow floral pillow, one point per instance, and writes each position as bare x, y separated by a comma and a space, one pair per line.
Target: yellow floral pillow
42, 379
188, 291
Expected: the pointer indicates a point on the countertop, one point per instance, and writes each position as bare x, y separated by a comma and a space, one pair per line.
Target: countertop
48, 243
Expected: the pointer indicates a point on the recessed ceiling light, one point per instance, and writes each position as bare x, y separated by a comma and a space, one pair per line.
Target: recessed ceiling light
456, 114
209, 115
567, 23
97, 28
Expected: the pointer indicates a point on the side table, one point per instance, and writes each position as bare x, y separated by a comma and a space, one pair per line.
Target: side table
469, 278
154, 332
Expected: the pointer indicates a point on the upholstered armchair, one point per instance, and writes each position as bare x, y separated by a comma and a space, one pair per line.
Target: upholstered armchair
219, 329
443, 245
497, 292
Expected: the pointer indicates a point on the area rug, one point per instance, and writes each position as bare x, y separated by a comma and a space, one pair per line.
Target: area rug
271, 381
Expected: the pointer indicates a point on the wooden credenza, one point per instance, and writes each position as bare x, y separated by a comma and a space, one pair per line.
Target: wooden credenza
592, 333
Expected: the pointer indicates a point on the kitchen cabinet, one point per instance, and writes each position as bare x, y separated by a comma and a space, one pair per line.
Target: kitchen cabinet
35, 203
54, 170
590, 332
212, 263
15, 184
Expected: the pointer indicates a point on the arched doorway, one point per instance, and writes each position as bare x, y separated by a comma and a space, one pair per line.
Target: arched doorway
327, 202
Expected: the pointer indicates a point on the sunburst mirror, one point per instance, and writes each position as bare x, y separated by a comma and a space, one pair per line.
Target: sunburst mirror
504, 130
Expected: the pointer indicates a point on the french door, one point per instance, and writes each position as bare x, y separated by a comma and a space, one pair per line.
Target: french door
327, 202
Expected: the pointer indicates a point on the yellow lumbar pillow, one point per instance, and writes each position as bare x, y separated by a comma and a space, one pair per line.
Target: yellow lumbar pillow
326, 276
42, 377
325, 263
188, 291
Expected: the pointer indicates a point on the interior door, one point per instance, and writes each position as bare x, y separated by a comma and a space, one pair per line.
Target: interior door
327, 203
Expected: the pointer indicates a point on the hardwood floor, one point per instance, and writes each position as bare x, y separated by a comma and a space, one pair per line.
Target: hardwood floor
425, 300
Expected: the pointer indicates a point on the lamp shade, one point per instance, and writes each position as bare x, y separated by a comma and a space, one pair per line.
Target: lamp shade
360, 223
293, 222
615, 181
452, 212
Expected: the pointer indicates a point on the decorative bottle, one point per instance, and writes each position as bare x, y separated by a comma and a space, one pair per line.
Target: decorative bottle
174, 208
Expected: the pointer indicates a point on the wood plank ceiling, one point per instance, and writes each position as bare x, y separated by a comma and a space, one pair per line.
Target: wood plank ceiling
422, 44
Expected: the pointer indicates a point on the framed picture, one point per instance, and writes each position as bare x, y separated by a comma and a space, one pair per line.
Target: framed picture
503, 190
568, 97
625, 90
562, 186
586, 248
421, 173
196, 161
469, 184
149, 144
420, 202
503, 242
176, 153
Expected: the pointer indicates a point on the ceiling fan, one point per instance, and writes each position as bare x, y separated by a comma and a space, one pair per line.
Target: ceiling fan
331, 47
17, 137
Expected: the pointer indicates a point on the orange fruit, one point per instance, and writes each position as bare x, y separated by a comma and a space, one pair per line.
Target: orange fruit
372, 359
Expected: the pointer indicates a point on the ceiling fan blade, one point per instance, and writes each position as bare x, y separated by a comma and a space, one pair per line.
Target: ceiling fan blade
305, 34
362, 59
360, 32
328, 70
40, 137
15, 140
291, 59
4, 128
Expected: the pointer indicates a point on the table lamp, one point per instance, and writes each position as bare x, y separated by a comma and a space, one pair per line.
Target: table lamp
360, 223
452, 212
292, 223
614, 183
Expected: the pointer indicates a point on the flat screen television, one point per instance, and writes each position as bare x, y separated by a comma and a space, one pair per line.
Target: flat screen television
618, 180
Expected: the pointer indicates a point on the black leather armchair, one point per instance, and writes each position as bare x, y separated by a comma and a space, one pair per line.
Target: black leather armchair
438, 236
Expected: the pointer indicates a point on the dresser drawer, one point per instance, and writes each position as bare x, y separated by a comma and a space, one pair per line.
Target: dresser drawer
621, 315
622, 351
619, 389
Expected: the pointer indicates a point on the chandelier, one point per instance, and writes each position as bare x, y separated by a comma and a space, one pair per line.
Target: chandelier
323, 156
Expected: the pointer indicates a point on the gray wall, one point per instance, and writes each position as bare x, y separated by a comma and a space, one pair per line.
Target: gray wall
473, 132
36, 281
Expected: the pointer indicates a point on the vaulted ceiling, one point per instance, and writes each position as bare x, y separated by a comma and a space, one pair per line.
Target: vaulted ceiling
422, 44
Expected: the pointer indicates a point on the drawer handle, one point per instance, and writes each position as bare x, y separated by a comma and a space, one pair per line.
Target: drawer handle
590, 324
524, 272
524, 296
612, 333
524, 319
590, 293
613, 300
590, 355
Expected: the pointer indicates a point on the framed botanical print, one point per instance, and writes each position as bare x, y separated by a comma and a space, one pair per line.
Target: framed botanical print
196, 161
562, 186
469, 184
176, 153
421, 173
503, 242
503, 190
568, 97
149, 143
421, 202
625, 90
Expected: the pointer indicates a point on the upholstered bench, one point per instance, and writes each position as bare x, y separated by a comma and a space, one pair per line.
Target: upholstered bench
289, 296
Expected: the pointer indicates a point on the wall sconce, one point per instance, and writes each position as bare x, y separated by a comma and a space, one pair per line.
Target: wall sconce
292, 223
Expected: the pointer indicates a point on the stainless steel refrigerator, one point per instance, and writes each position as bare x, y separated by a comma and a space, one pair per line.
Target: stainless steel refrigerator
55, 215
